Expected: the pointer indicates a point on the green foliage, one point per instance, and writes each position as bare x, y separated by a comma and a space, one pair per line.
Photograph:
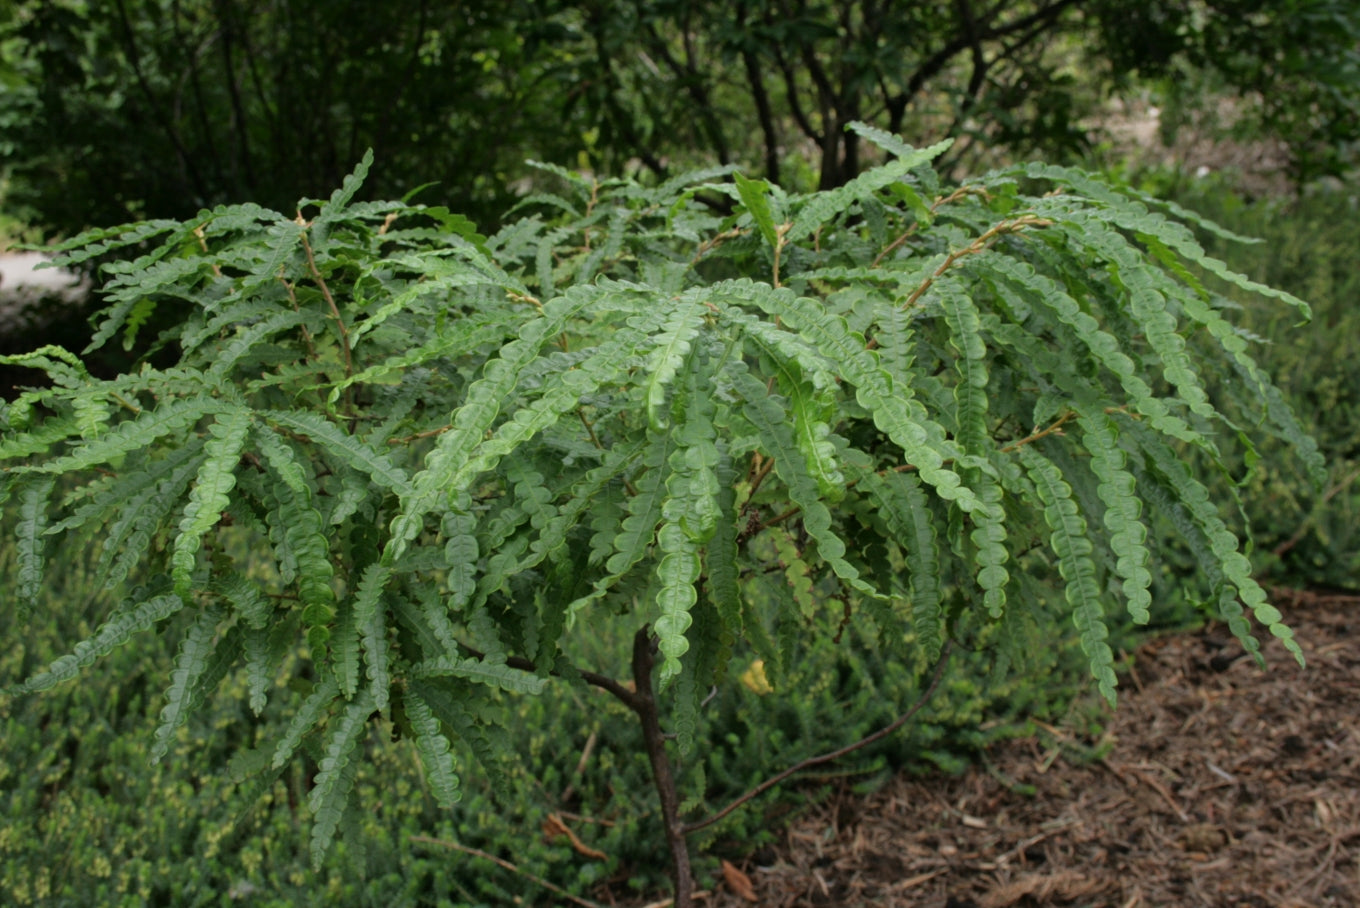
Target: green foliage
76, 781
1308, 535
871, 397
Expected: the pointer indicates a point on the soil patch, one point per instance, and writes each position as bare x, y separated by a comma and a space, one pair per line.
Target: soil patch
1222, 785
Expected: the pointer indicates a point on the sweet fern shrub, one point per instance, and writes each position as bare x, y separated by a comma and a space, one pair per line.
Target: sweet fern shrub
398, 466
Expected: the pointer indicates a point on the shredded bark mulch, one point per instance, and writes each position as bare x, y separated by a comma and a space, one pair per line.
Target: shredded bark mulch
1218, 784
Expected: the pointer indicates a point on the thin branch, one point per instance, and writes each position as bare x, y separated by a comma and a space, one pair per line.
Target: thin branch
603, 682
1054, 429
934, 64
764, 113
644, 704
775, 521
939, 203
157, 112
761, 471
238, 113
791, 91
330, 301
978, 245
501, 862
292, 298
937, 674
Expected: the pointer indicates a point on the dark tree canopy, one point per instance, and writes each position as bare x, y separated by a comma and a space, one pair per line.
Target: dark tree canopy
158, 108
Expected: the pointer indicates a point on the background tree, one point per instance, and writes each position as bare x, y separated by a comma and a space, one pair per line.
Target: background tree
161, 107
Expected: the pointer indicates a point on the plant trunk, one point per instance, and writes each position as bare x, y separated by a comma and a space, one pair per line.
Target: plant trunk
644, 704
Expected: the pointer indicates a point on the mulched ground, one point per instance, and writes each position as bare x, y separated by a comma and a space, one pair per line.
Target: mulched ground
1225, 786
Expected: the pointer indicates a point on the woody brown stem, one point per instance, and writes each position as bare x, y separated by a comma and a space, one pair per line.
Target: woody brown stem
643, 703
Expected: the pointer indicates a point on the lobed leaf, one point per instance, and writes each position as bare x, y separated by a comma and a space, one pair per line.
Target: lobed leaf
1070, 543
335, 775
192, 661
491, 674
771, 420
1117, 488
210, 494
342, 446
1194, 497
449, 467
434, 750
30, 547
137, 613
172, 416
901, 418
901, 502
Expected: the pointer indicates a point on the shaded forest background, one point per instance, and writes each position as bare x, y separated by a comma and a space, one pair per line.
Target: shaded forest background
157, 108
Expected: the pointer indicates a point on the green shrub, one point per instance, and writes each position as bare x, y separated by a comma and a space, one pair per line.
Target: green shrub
415, 471
76, 779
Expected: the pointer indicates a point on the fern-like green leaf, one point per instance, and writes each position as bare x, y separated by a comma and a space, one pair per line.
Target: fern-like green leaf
989, 537
145, 511
631, 539
101, 240
246, 598
1149, 309
676, 593
673, 345
31, 541
172, 416
899, 499
342, 648
342, 446
1070, 543
810, 406
823, 206
970, 397
895, 146
451, 455
45, 437
334, 208
493, 675
194, 652
771, 420
1274, 406
900, 417
722, 574
335, 775
376, 656
457, 340
210, 494
307, 717
248, 337
1193, 495
462, 552
1104, 348
260, 666
1117, 489
137, 613
434, 750
302, 529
